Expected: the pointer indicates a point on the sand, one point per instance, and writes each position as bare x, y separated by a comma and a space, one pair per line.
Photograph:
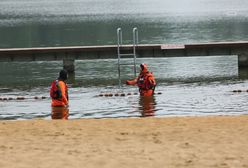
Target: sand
178, 142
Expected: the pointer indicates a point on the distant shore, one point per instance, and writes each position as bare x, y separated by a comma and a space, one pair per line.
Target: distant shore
201, 142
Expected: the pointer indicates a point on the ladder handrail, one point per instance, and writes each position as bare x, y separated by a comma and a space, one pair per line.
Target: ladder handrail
135, 44
119, 35
119, 45
119, 42
135, 36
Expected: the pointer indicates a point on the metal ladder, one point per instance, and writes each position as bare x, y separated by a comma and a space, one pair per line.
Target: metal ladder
120, 55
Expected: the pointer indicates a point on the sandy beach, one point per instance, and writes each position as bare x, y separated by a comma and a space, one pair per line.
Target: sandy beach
200, 142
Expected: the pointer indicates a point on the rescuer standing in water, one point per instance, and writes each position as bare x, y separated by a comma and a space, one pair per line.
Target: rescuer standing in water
145, 81
59, 95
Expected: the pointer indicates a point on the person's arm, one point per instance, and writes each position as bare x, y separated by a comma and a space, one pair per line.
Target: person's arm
63, 92
132, 82
151, 81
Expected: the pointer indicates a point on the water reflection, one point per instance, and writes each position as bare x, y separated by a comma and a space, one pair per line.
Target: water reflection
147, 106
60, 113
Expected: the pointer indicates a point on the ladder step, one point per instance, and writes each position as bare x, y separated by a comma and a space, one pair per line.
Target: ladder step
129, 54
131, 64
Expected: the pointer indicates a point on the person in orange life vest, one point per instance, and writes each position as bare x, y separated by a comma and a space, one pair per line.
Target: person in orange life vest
59, 90
145, 81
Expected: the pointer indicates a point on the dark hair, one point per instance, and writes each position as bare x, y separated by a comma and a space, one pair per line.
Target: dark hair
142, 66
63, 75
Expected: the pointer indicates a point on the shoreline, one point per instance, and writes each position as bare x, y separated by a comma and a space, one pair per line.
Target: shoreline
199, 141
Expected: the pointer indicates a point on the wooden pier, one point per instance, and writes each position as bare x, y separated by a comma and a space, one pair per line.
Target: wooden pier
69, 54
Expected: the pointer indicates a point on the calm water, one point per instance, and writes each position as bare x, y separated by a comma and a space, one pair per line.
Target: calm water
37, 23
189, 86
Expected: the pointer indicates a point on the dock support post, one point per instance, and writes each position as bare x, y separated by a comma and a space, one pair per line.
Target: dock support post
243, 65
243, 59
68, 64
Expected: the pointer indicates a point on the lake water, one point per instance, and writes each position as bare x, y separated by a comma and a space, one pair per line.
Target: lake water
189, 86
37, 23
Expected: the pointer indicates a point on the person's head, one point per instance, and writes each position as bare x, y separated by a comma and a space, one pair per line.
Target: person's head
63, 75
143, 67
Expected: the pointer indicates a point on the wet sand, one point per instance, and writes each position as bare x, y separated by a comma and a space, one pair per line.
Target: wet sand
178, 142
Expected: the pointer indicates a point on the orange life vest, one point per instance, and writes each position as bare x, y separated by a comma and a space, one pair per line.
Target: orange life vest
59, 93
55, 91
146, 81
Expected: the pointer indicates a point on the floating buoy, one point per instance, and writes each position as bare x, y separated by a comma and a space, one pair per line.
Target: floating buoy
1, 98
43, 97
123, 94
116, 94
106, 95
239, 90
135, 94
129, 93
159, 93
36, 97
10, 98
20, 98
110, 95
100, 95
5, 99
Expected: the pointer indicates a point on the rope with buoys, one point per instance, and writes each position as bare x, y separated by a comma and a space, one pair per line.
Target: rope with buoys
239, 91
21, 98
100, 95
122, 94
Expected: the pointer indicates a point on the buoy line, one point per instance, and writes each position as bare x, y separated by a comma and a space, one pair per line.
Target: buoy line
21, 98
238, 91
122, 94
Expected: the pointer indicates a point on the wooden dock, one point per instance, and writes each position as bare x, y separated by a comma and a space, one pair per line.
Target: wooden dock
71, 53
